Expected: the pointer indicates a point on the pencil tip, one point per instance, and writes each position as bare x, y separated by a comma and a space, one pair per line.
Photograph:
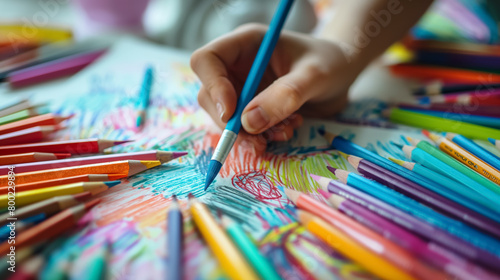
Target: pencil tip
332, 169
174, 197
213, 169
179, 154
315, 177
112, 183
396, 144
492, 141
121, 142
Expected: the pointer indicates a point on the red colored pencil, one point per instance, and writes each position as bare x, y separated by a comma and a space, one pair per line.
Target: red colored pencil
31, 157
41, 120
74, 147
50, 228
29, 135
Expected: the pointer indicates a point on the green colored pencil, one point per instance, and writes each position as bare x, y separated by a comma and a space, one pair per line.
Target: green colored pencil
97, 266
249, 250
441, 124
435, 152
21, 115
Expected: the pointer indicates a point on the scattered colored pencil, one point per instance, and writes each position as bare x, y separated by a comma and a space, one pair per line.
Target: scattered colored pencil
74, 147
47, 207
440, 124
230, 259
475, 149
31, 157
29, 135
466, 158
444, 89
21, 115
175, 239
50, 228
416, 209
30, 197
409, 222
40, 33
457, 108
494, 142
144, 93
493, 122
449, 183
351, 249
41, 120
260, 264
486, 97
12, 107
162, 156
364, 236
64, 181
431, 252
129, 167
435, 198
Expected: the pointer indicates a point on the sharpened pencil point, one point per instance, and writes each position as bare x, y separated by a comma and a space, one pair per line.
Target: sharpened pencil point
332, 169
315, 177
122, 142
396, 144
179, 154
492, 141
112, 183
213, 169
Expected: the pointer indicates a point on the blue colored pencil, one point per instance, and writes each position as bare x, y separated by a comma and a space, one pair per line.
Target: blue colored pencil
144, 94
420, 211
474, 119
174, 241
475, 149
259, 65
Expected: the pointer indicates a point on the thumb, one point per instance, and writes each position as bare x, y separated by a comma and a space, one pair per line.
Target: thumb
278, 101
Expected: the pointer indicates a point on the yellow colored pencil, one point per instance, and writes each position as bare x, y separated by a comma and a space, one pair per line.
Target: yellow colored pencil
225, 251
37, 34
352, 250
32, 196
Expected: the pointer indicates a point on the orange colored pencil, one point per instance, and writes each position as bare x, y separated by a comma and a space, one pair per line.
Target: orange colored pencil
41, 120
31, 157
64, 181
129, 167
29, 135
365, 236
443, 73
50, 228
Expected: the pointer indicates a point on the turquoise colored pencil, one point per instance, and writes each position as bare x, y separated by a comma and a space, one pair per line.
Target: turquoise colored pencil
97, 266
259, 263
419, 211
449, 184
495, 142
475, 149
144, 94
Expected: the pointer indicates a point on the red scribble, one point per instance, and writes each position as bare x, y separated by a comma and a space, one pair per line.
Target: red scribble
256, 183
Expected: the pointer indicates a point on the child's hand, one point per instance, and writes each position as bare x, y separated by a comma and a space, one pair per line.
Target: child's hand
305, 76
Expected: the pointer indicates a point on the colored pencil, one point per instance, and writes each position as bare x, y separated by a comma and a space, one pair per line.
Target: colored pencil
21, 115
409, 222
39, 33
365, 237
447, 203
74, 147
440, 124
230, 259
46, 207
30, 269
30, 197
457, 108
418, 155
41, 120
175, 239
428, 251
249, 89
449, 183
486, 97
20, 226
96, 267
53, 69
29, 135
493, 122
50, 228
9, 108
444, 89
63, 181
350, 248
451, 75
16, 47
144, 93
444, 158
475, 149
466, 158
31, 157
129, 167
260, 264
162, 156
494, 142
458, 60
416, 209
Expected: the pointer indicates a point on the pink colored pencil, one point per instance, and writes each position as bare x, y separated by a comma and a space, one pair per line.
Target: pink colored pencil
53, 69
162, 156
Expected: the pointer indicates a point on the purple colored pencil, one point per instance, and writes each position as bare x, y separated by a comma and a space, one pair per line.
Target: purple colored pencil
428, 251
411, 223
162, 156
424, 196
457, 108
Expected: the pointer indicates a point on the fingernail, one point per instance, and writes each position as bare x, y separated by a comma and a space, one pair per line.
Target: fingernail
220, 110
255, 120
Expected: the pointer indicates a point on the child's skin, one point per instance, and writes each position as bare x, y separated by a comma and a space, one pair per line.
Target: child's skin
306, 76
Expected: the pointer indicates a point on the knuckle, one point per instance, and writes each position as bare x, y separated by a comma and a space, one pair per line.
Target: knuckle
291, 97
250, 28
